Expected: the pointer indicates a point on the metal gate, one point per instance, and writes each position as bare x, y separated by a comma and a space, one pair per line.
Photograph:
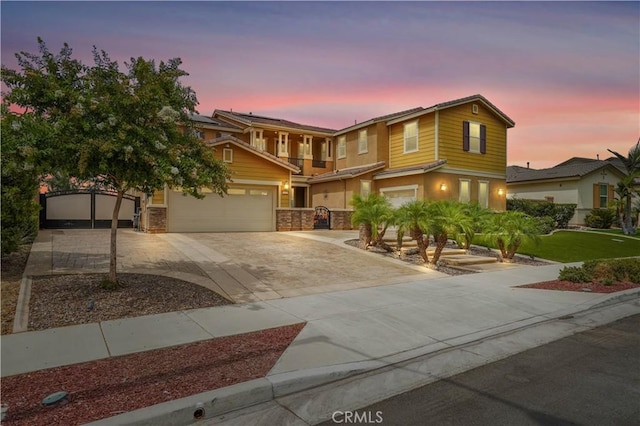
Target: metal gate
85, 209
322, 218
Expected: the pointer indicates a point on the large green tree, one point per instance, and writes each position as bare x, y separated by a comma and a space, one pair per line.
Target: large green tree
20, 179
124, 126
627, 186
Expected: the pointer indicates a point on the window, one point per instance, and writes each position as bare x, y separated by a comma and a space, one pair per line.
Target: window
365, 188
474, 137
483, 194
158, 198
411, 137
236, 191
342, 147
465, 191
362, 142
604, 195
227, 155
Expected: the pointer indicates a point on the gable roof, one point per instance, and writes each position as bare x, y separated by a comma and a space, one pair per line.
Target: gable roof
570, 169
377, 120
449, 104
242, 144
251, 120
347, 173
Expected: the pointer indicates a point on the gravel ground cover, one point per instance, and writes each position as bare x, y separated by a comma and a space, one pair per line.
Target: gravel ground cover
62, 300
585, 287
112, 386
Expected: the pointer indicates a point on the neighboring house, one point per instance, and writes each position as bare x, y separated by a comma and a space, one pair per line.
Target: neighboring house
283, 170
588, 183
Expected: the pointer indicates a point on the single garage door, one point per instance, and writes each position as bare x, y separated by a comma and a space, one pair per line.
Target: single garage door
243, 209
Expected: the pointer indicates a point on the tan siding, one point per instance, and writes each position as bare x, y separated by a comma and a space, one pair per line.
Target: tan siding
426, 143
450, 140
434, 180
330, 194
353, 158
247, 165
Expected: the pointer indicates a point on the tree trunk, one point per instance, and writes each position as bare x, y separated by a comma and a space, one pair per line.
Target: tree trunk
441, 242
628, 223
417, 235
503, 253
365, 235
114, 232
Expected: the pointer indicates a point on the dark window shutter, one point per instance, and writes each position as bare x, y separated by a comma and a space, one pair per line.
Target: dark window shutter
483, 139
465, 136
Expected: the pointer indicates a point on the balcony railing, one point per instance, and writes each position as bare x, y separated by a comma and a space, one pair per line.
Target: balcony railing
297, 162
321, 164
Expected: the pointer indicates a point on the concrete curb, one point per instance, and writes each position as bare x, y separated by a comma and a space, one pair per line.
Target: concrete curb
312, 395
185, 411
21, 319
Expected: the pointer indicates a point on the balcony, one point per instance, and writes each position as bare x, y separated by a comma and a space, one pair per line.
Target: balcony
297, 162
320, 164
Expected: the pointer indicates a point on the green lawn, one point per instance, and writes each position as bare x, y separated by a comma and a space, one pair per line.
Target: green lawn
616, 232
574, 246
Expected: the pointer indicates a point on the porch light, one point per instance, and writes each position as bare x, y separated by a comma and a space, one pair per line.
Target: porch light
500, 192
443, 187
286, 185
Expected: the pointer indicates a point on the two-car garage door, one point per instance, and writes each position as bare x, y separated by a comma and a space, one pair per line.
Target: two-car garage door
249, 208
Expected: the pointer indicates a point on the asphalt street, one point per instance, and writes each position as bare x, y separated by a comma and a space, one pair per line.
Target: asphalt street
591, 378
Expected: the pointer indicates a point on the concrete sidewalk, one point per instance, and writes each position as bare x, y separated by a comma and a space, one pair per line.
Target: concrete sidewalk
343, 328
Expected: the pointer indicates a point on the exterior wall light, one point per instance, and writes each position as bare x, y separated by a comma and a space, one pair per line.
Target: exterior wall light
286, 185
443, 187
500, 192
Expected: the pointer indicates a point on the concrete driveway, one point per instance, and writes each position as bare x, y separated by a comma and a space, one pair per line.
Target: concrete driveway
244, 267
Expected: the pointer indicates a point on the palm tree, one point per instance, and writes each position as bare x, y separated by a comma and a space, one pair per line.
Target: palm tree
508, 230
449, 220
414, 218
626, 187
373, 215
479, 217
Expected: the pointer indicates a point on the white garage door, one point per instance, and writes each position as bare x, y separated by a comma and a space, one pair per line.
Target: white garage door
400, 195
243, 209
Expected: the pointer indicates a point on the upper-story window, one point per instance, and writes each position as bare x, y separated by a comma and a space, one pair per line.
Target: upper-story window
474, 137
411, 137
363, 146
342, 147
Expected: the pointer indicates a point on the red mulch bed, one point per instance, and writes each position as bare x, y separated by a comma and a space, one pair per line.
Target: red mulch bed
107, 387
592, 287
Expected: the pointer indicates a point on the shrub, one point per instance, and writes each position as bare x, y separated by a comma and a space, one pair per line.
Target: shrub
606, 271
560, 213
546, 224
564, 213
575, 274
600, 218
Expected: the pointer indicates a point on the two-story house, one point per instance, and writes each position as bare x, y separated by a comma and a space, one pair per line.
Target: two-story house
453, 150
282, 170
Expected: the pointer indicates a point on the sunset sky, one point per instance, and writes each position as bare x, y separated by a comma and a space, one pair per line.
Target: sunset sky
567, 73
